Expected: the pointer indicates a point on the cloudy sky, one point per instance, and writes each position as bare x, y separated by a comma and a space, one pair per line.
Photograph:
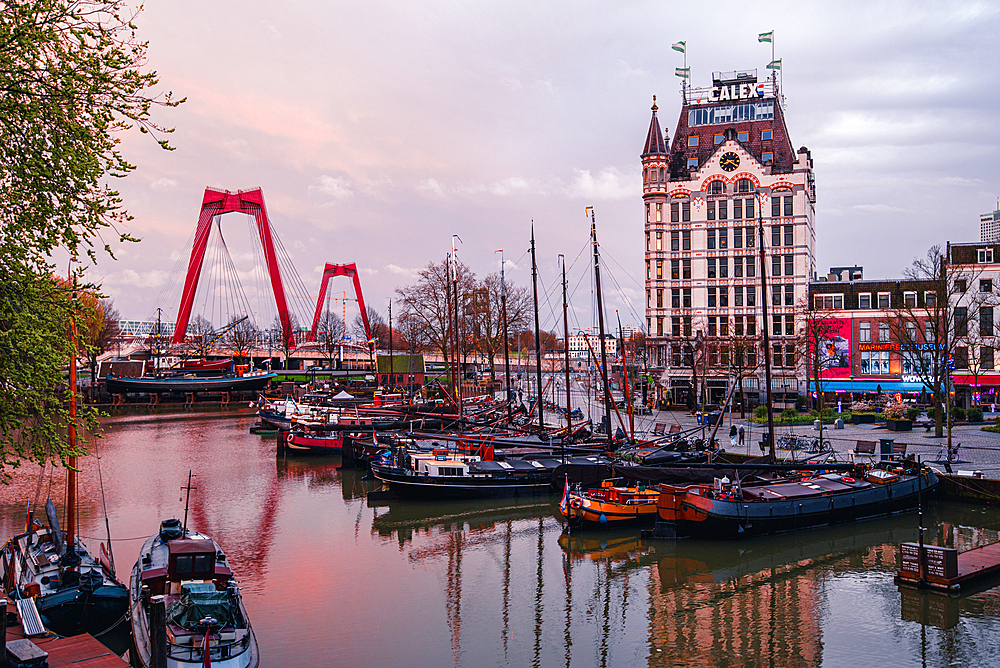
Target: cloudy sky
379, 129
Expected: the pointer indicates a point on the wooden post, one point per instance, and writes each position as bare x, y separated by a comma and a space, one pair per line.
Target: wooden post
3, 631
157, 632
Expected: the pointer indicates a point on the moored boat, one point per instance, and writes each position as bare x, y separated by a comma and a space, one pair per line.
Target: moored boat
205, 617
190, 383
444, 473
316, 443
610, 504
73, 590
727, 509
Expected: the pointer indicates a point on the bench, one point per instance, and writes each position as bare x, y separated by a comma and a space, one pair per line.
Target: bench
863, 448
659, 429
674, 429
899, 451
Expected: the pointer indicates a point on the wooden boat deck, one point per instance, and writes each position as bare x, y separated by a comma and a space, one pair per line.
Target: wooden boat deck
973, 565
83, 651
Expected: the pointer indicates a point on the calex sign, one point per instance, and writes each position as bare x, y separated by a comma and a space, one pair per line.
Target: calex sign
744, 91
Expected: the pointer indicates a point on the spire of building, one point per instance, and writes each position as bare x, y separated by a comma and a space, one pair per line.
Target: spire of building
655, 145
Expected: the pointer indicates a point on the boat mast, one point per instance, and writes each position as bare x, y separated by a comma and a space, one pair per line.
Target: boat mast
763, 324
600, 323
629, 399
390, 345
71, 435
450, 335
569, 402
538, 343
187, 502
458, 369
506, 346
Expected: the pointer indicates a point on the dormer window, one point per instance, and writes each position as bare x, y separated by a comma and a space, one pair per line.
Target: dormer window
693, 162
767, 158
985, 255
692, 141
719, 139
766, 135
743, 136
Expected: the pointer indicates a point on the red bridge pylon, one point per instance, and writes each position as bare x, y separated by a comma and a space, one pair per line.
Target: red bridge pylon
215, 203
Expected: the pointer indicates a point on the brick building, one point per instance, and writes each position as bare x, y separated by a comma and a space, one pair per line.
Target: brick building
878, 336
974, 286
730, 162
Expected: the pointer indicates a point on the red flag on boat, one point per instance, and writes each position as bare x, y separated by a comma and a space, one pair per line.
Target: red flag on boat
564, 502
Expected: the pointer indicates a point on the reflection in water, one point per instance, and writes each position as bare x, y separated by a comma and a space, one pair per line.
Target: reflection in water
496, 582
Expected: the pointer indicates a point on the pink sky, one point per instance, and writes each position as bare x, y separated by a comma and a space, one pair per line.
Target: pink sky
377, 130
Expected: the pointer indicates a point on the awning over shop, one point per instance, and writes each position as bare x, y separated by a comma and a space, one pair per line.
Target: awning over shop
867, 386
986, 380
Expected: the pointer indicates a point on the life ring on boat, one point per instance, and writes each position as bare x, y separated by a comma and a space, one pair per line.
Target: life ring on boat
848, 479
576, 502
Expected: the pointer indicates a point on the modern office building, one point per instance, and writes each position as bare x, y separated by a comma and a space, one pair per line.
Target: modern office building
989, 226
730, 170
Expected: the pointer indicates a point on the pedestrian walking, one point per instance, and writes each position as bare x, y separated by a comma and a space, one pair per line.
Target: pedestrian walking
732, 436
742, 436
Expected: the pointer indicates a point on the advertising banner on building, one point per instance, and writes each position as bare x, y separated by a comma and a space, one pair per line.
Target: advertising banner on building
834, 340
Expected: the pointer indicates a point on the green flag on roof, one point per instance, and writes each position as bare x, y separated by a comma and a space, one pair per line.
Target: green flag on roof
766, 37
774, 64
683, 72
679, 46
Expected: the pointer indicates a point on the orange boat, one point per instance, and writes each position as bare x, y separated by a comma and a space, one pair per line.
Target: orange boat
609, 504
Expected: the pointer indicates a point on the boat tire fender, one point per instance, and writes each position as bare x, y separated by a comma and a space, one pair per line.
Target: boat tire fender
576, 503
848, 479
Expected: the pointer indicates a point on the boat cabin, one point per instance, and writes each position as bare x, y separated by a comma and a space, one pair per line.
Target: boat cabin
191, 560
187, 560
442, 463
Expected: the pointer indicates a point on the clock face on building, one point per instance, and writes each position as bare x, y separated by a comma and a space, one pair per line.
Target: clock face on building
729, 161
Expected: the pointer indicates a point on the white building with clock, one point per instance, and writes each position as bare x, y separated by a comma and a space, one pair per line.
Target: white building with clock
730, 163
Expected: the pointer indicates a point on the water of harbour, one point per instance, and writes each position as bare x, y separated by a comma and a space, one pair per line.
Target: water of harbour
329, 581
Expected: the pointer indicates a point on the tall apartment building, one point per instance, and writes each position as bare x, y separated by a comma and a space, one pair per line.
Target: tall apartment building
731, 161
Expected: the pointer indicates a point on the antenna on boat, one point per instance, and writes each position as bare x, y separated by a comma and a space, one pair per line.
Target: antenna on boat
187, 502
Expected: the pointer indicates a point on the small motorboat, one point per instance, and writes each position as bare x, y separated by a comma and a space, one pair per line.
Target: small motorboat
610, 503
205, 618
304, 440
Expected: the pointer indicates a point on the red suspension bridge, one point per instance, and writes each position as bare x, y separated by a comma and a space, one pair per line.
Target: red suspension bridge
223, 280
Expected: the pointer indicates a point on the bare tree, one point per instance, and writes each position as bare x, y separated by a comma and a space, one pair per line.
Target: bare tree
330, 334
487, 315
745, 361
429, 303
96, 332
928, 328
241, 337
285, 338
379, 330
823, 348
202, 336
